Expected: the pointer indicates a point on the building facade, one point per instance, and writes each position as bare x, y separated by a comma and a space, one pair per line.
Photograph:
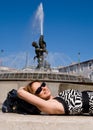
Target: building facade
81, 68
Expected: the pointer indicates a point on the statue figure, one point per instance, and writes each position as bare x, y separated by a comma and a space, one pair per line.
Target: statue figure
40, 49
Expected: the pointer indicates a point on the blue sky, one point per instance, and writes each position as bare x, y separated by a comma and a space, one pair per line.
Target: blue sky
68, 30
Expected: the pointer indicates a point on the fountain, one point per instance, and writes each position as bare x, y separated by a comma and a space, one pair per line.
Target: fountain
39, 17
43, 71
40, 47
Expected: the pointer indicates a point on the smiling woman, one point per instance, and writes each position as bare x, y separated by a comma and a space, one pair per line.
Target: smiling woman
68, 102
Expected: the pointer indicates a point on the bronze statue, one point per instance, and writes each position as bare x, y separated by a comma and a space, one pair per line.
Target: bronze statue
40, 49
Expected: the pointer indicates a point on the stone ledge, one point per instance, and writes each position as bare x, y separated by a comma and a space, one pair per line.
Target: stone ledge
12, 121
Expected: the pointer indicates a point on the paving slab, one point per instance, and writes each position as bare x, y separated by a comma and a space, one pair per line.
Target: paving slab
12, 121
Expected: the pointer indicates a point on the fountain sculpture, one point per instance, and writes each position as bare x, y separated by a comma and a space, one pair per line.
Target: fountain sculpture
40, 47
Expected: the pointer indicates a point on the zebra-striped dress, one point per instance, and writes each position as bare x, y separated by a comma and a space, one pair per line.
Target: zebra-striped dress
74, 103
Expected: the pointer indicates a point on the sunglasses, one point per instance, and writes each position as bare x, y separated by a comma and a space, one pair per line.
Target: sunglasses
40, 88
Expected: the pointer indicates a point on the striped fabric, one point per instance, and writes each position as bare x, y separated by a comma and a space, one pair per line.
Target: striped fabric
73, 98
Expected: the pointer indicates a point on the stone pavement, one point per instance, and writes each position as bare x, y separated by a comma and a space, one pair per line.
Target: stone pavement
11, 121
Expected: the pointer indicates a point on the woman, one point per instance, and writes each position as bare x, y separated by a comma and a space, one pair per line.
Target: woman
70, 101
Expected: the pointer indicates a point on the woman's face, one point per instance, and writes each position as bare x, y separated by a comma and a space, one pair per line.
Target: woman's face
41, 90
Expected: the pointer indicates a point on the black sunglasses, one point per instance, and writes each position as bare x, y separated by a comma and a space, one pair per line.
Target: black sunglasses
40, 88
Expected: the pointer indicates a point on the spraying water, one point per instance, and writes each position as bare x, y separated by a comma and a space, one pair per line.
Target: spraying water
40, 17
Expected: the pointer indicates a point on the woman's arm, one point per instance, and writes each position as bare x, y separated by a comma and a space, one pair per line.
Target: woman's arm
48, 106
